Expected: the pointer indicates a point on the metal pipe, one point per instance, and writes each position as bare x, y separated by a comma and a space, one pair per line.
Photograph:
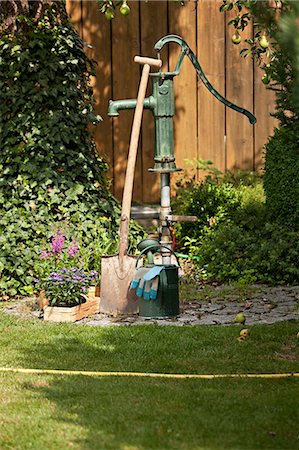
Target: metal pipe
165, 194
165, 211
117, 105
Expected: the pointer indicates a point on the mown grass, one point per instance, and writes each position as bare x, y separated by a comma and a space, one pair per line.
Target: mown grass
60, 412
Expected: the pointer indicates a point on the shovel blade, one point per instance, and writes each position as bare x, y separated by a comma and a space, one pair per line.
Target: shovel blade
116, 278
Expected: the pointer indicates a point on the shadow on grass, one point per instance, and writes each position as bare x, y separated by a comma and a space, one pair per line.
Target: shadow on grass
117, 413
143, 414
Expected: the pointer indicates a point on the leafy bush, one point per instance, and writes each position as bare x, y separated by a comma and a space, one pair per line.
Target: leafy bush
234, 240
211, 200
281, 176
268, 254
50, 172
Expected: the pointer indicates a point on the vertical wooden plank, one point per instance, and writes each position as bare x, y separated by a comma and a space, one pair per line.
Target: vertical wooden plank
74, 11
125, 78
264, 105
96, 32
239, 90
153, 26
211, 56
182, 21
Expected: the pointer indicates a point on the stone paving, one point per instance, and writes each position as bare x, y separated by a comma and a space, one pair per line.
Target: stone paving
260, 304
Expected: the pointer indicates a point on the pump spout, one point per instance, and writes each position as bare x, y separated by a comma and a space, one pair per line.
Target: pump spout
116, 105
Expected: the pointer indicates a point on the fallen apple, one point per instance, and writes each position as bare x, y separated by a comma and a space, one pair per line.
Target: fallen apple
244, 333
240, 318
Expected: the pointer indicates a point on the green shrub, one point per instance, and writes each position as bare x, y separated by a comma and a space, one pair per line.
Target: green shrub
265, 255
281, 176
50, 173
212, 201
241, 244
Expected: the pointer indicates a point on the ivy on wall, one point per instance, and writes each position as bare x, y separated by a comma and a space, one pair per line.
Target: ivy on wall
50, 172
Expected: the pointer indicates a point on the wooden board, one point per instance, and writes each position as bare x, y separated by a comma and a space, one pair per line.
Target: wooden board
74, 10
153, 26
211, 56
97, 33
239, 90
182, 21
125, 79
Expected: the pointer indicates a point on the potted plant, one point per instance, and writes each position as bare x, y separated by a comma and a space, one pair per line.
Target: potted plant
64, 283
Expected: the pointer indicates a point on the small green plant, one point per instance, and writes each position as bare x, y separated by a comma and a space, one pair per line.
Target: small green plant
61, 272
61, 253
67, 286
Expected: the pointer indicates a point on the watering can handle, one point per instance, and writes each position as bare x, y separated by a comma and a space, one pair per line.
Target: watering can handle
186, 50
153, 246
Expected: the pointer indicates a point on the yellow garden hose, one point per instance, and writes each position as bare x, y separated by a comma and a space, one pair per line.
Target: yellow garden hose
148, 375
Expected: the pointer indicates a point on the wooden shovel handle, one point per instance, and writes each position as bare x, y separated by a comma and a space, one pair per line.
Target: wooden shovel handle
129, 179
150, 61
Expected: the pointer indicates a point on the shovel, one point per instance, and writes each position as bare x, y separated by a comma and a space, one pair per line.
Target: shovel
118, 270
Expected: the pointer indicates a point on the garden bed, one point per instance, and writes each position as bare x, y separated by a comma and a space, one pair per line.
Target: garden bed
202, 305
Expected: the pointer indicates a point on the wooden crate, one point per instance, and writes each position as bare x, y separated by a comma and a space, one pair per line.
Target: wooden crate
72, 314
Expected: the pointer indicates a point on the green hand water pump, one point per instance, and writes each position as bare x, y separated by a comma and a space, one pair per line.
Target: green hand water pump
161, 103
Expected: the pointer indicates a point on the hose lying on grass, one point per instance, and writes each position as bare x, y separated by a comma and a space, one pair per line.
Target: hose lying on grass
144, 374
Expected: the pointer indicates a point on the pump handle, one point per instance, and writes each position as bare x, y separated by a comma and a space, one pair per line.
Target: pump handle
150, 61
186, 50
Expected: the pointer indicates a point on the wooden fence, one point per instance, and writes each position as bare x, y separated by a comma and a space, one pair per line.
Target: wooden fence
204, 127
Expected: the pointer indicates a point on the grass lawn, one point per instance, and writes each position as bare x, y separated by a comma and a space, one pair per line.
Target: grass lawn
79, 412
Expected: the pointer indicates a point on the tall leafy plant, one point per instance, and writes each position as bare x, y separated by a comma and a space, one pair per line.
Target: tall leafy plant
50, 170
275, 46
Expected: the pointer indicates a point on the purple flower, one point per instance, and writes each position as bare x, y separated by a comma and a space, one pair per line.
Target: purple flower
55, 276
93, 273
44, 254
67, 284
58, 242
72, 250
